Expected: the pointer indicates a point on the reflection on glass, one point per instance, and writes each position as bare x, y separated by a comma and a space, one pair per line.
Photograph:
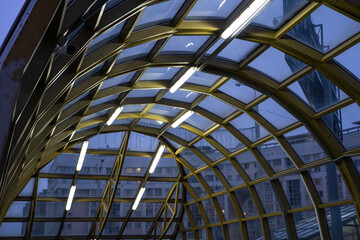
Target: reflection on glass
114, 81
230, 174
135, 166
183, 44
227, 140
237, 50
295, 191
254, 229
234, 231
246, 203
49, 209
239, 91
217, 107
250, 165
214, 9
76, 228
249, 128
45, 228
133, 53
197, 187
18, 209
208, 150
267, 197
13, 229
348, 58
212, 181
226, 207
195, 213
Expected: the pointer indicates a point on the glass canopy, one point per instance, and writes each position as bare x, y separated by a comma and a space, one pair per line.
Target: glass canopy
271, 152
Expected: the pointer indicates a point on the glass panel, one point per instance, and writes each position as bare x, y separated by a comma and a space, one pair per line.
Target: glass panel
246, 202
120, 210
278, 12
135, 166
191, 158
88, 74
275, 156
142, 93
249, 128
127, 189
149, 210
306, 224
155, 14
208, 150
93, 117
304, 145
161, 73
76, 228
196, 215
182, 96
133, 53
214, 9
217, 232
136, 228
104, 38
28, 189
13, 229
212, 180
217, 107
348, 58
45, 228
324, 29
49, 209
234, 230
227, 140
65, 163
174, 144
210, 211
165, 110
151, 123
133, 108
254, 229
342, 222
83, 209
214, 47
166, 167
200, 122
142, 143
90, 188
227, 207
237, 50
275, 114
157, 189
112, 228
83, 96
295, 191
276, 64
345, 125
230, 173
53, 187
114, 81
249, 163
239, 91
277, 228
267, 197
197, 187
183, 44
329, 183
317, 91
109, 141
203, 79
110, 98
182, 133
18, 209
98, 164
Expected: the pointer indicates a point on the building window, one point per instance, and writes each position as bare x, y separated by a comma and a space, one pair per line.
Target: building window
293, 189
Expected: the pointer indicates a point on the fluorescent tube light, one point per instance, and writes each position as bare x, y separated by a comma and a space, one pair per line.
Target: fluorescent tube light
138, 198
183, 79
82, 155
245, 18
114, 116
182, 118
70, 198
157, 158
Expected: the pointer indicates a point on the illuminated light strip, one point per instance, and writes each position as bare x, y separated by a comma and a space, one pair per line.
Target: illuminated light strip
138, 198
82, 155
182, 118
70, 198
183, 79
114, 116
245, 18
156, 159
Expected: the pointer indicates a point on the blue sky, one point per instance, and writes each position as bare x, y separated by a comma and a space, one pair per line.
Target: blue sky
9, 9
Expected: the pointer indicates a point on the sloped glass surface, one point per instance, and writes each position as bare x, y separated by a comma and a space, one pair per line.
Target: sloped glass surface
182, 96
227, 140
49, 209
208, 150
237, 50
254, 229
65, 163
295, 191
267, 197
104, 100
143, 93
191, 158
196, 186
165, 110
231, 175
166, 167
45, 229
250, 165
278, 12
249, 128
28, 189
154, 15
98, 164
213, 9
157, 189
114, 81
76, 228
246, 202
317, 91
127, 189
275, 114
276, 64
151, 123
112, 228
183, 44
136, 52
142, 143
53, 187
217, 107
239, 91
89, 74
226, 207
324, 29
199, 122
18, 209
135, 166
154, 74
83, 209
195, 213
109, 141
212, 180
90, 188
13, 229
182, 133
204, 79
347, 59
210, 212
133, 108
275, 156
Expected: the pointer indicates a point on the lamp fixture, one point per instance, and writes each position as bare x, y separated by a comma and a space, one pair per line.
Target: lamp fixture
157, 158
70, 198
183, 79
82, 155
138, 198
114, 116
182, 119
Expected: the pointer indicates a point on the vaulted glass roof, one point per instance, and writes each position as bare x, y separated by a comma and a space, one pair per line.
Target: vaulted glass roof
271, 151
